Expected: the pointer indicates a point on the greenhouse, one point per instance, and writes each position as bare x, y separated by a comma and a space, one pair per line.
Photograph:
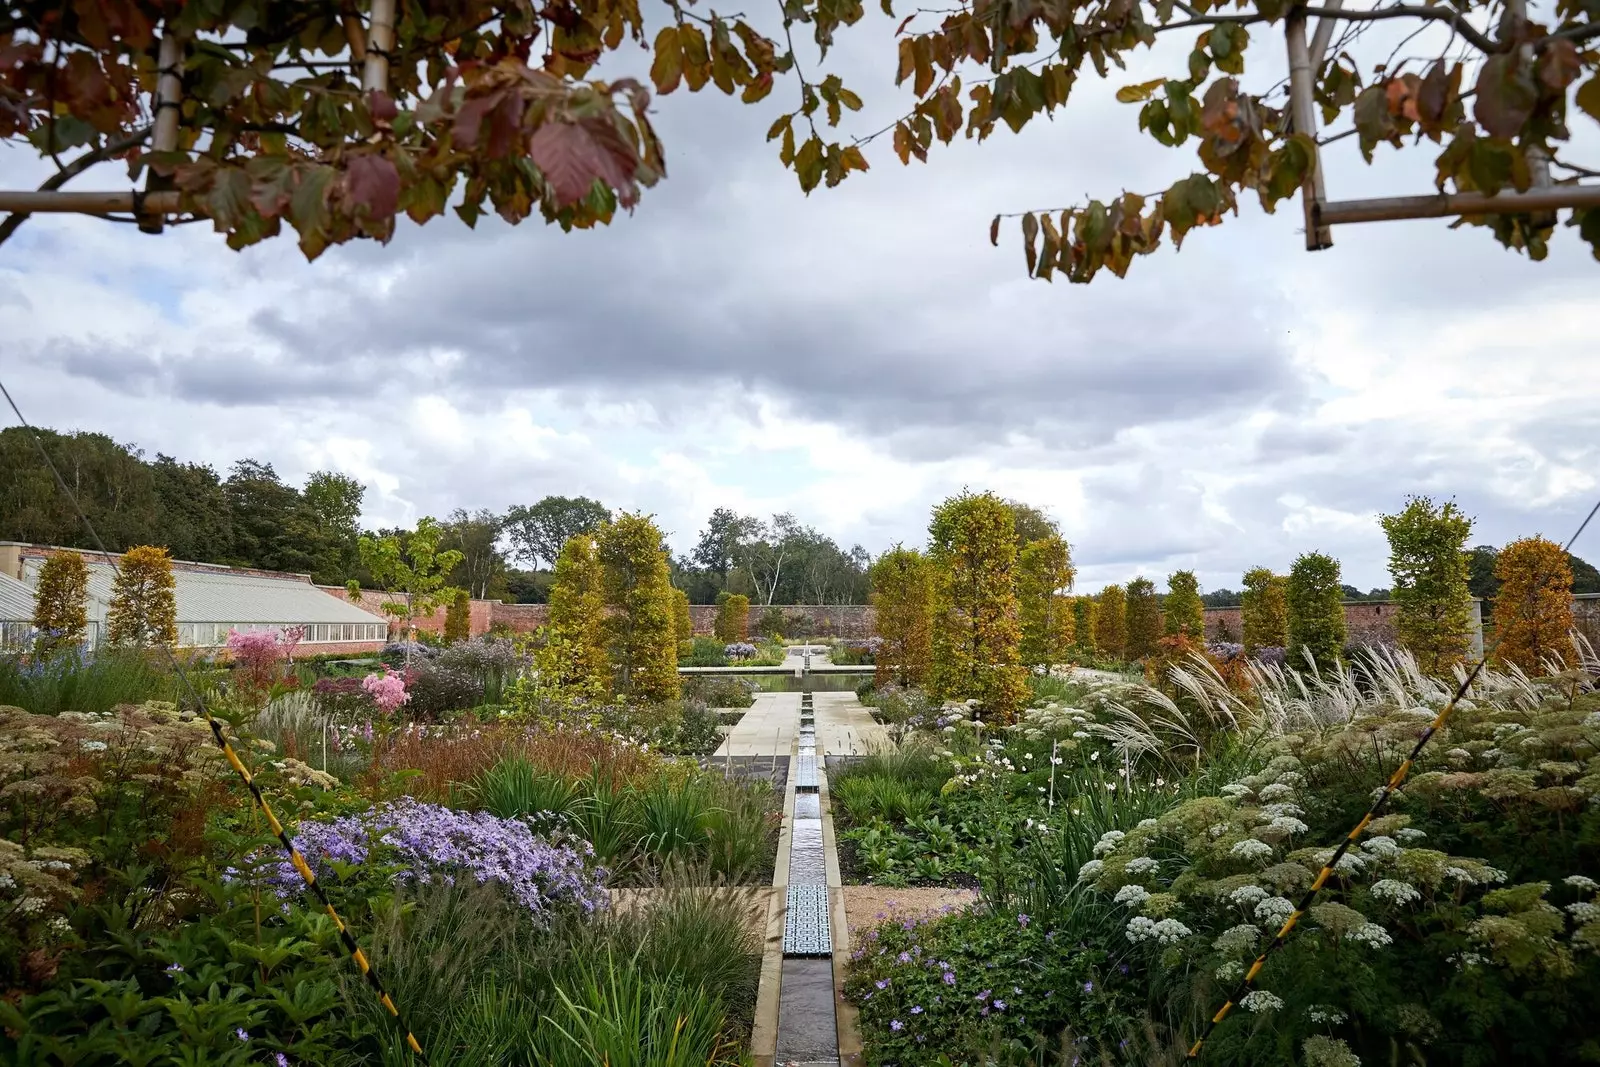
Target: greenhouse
211, 600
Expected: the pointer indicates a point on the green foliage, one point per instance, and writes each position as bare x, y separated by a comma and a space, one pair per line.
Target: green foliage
1316, 616
61, 602
415, 569
540, 531
1111, 621
1264, 609
703, 652
1044, 580
902, 602
1185, 612
573, 664
973, 553
93, 685
458, 617
639, 609
1143, 614
733, 618
682, 621
1085, 618
1428, 561
1533, 609
144, 606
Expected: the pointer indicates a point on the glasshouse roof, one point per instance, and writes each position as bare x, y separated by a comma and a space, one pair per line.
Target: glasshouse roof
224, 596
16, 599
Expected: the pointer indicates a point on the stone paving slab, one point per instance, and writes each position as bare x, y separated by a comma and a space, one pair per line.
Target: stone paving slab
845, 727
768, 727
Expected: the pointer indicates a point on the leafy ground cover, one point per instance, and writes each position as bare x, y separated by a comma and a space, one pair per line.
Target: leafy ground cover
1186, 819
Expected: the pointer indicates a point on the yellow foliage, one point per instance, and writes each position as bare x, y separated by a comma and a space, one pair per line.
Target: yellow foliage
1533, 609
144, 606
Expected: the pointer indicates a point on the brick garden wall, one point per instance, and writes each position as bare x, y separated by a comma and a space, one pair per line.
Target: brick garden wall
1367, 623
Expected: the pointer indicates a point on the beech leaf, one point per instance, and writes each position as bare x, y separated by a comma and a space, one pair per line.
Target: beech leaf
571, 158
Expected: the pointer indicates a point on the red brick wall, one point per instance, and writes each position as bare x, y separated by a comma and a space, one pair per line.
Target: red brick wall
1366, 623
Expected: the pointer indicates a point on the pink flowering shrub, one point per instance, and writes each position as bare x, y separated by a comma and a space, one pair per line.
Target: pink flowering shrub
388, 691
259, 652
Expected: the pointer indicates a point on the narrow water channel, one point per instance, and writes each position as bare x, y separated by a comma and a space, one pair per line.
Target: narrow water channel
807, 1032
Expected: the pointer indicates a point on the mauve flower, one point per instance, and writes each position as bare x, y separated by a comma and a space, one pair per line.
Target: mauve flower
904, 957
882, 983
916, 1009
1088, 987
1022, 920
896, 1025
999, 1005
242, 1034
949, 978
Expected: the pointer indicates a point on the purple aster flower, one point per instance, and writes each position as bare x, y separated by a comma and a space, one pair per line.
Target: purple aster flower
882, 983
999, 1005
904, 957
242, 1034
984, 995
174, 968
949, 978
280, 1060
896, 1025
1022, 920
916, 1009
1088, 987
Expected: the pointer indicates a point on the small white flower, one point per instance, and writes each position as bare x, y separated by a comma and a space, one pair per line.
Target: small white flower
1247, 895
1410, 834
1381, 847
92, 746
1275, 791
1370, 934
1235, 789
1259, 1000
1217, 829
1395, 892
1132, 895
1090, 870
1273, 811
1274, 910
1324, 1013
1349, 863
1142, 865
1237, 939
1108, 842
1078, 735
1146, 824
1584, 911
1251, 849
1230, 972
1580, 882
1287, 824
1141, 928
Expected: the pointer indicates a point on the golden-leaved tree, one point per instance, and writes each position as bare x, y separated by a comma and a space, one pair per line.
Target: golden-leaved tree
1317, 629
1144, 618
1264, 609
1428, 563
1533, 608
458, 617
733, 618
1044, 582
1185, 611
573, 663
1085, 617
976, 636
639, 609
1111, 622
682, 621
144, 604
61, 602
902, 602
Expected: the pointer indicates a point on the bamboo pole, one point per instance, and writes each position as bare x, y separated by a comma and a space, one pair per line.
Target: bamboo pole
1304, 110
1446, 205
1324, 34
107, 203
164, 135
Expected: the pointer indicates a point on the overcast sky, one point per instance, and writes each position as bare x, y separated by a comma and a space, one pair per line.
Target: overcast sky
858, 355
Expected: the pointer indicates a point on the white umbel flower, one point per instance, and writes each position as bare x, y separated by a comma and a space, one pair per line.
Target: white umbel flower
1259, 1000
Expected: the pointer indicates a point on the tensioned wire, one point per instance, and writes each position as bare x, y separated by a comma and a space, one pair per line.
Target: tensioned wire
1395, 781
313, 886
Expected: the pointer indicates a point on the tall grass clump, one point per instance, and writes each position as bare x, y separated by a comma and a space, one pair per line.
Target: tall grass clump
83, 682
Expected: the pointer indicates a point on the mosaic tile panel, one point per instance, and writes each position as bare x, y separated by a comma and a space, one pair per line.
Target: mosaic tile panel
805, 926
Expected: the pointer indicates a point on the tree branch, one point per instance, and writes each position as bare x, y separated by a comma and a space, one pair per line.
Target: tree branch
72, 170
1404, 11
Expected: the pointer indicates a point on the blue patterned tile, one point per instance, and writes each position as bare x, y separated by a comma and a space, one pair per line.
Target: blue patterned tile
805, 923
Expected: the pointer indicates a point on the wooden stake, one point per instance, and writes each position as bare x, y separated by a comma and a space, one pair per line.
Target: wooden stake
1304, 111
1446, 205
380, 45
109, 203
164, 137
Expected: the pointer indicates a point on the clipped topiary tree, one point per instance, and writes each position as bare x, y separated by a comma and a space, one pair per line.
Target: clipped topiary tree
573, 663
61, 602
1085, 617
639, 609
1044, 580
1111, 622
144, 604
977, 633
1316, 616
1186, 612
682, 621
902, 601
1144, 619
458, 617
1533, 609
1429, 564
733, 618
1264, 609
